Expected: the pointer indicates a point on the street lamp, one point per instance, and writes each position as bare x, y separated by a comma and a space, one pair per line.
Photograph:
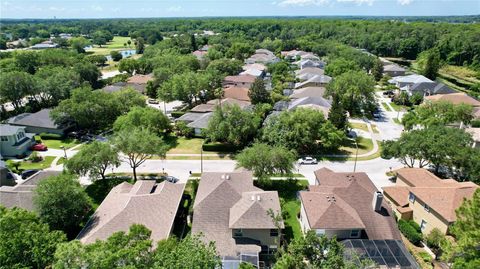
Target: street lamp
64, 151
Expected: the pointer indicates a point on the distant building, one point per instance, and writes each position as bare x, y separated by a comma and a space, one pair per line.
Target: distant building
239, 81
394, 70
315, 81
14, 141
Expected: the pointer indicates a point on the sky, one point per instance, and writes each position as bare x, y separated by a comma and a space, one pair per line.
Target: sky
213, 8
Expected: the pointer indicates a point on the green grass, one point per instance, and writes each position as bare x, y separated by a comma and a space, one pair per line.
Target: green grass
396, 121
387, 108
182, 145
56, 143
45, 163
115, 44
398, 107
287, 190
60, 161
360, 126
364, 145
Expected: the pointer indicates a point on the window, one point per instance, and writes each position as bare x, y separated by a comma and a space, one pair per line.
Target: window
423, 225
20, 135
237, 233
426, 207
273, 232
4, 138
320, 232
411, 197
355, 233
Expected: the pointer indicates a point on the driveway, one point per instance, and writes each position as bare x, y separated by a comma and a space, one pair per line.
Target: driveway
166, 106
388, 129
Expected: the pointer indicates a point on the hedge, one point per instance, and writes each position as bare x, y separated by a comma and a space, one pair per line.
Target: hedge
177, 114
51, 136
410, 231
221, 147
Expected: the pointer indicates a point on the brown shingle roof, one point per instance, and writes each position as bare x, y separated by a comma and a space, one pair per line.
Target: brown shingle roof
455, 98
239, 93
202, 108
221, 201
230, 101
308, 92
240, 79
140, 79
443, 196
145, 202
357, 191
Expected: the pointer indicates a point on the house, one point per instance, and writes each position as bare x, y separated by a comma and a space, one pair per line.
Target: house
475, 132
262, 56
393, 70
146, 202
293, 54
230, 211
430, 201
39, 122
318, 103
253, 72
428, 88
256, 66
139, 82
239, 81
200, 123
308, 72
200, 54
308, 92
406, 81
310, 63
454, 98
14, 140
230, 101
45, 45
238, 93
315, 81
21, 195
348, 206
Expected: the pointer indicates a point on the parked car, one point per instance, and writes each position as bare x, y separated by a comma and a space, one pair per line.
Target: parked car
39, 147
87, 138
76, 134
28, 173
307, 160
153, 101
388, 93
377, 115
171, 179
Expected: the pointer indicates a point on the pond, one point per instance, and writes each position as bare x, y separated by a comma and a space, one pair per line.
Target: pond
125, 54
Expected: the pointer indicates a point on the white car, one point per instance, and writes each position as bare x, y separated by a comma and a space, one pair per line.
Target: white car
307, 160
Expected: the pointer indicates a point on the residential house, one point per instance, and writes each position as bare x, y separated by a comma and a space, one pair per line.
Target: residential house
407, 81
200, 54
310, 63
262, 56
475, 132
315, 81
21, 195
308, 73
428, 88
238, 93
239, 81
200, 124
256, 66
14, 141
293, 55
393, 70
139, 82
45, 45
308, 92
318, 103
430, 201
454, 98
230, 211
253, 72
146, 202
348, 206
39, 122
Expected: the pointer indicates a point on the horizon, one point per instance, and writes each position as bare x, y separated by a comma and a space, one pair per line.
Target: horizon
127, 9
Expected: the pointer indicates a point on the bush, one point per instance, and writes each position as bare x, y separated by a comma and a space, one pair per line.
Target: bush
51, 136
425, 256
35, 158
475, 123
410, 231
116, 56
177, 114
434, 239
222, 147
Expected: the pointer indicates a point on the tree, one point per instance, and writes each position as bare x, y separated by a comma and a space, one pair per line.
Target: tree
56, 83
147, 117
79, 43
88, 72
303, 130
465, 251
139, 144
233, 125
377, 70
429, 63
258, 93
125, 250
93, 159
356, 92
140, 45
116, 56
16, 85
240, 51
193, 43
225, 66
98, 60
337, 115
25, 241
265, 160
438, 113
99, 38
339, 66
128, 65
62, 203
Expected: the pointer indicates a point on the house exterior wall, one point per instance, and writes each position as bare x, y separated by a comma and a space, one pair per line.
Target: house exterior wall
12, 147
303, 219
39, 130
431, 217
401, 182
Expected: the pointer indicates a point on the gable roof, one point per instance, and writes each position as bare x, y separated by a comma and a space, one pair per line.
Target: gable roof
239, 93
322, 79
310, 70
240, 79
357, 191
202, 108
201, 122
140, 79
252, 72
431, 88
444, 196
7, 129
224, 200
308, 92
146, 202
454, 98
409, 79
38, 119
319, 101
257, 66
230, 101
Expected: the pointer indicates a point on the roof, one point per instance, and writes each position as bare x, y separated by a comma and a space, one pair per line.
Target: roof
444, 196
320, 101
21, 195
189, 117
352, 206
475, 132
410, 79
201, 122
431, 88
7, 129
252, 72
223, 200
202, 108
140, 79
239, 93
230, 101
308, 92
38, 119
322, 79
257, 66
455, 98
199, 53
310, 70
393, 68
146, 202
240, 79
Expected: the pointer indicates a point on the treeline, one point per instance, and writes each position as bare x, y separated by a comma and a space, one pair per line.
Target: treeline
459, 44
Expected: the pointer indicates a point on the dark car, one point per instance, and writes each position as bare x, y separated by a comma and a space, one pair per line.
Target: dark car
28, 173
87, 138
171, 179
388, 93
76, 134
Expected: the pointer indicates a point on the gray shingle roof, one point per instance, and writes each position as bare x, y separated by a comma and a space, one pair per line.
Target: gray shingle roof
38, 119
319, 101
201, 122
6, 129
145, 202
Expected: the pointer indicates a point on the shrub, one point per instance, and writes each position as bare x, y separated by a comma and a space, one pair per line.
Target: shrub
116, 56
475, 123
181, 129
177, 114
221, 147
51, 136
434, 239
425, 256
35, 158
410, 231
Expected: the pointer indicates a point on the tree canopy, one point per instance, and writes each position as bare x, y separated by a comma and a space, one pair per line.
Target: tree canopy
147, 117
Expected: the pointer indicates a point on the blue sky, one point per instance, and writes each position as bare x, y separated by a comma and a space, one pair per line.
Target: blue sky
201, 8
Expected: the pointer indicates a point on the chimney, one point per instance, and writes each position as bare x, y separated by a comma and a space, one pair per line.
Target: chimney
377, 201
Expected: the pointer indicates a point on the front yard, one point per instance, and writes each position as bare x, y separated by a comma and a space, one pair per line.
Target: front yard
28, 165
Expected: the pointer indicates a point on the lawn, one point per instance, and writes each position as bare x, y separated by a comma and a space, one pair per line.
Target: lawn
45, 163
56, 143
398, 107
115, 44
396, 121
387, 108
462, 73
360, 126
364, 145
287, 190
182, 145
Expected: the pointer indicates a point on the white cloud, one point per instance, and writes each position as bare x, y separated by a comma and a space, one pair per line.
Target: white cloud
174, 8
358, 2
97, 8
303, 2
56, 8
404, 2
